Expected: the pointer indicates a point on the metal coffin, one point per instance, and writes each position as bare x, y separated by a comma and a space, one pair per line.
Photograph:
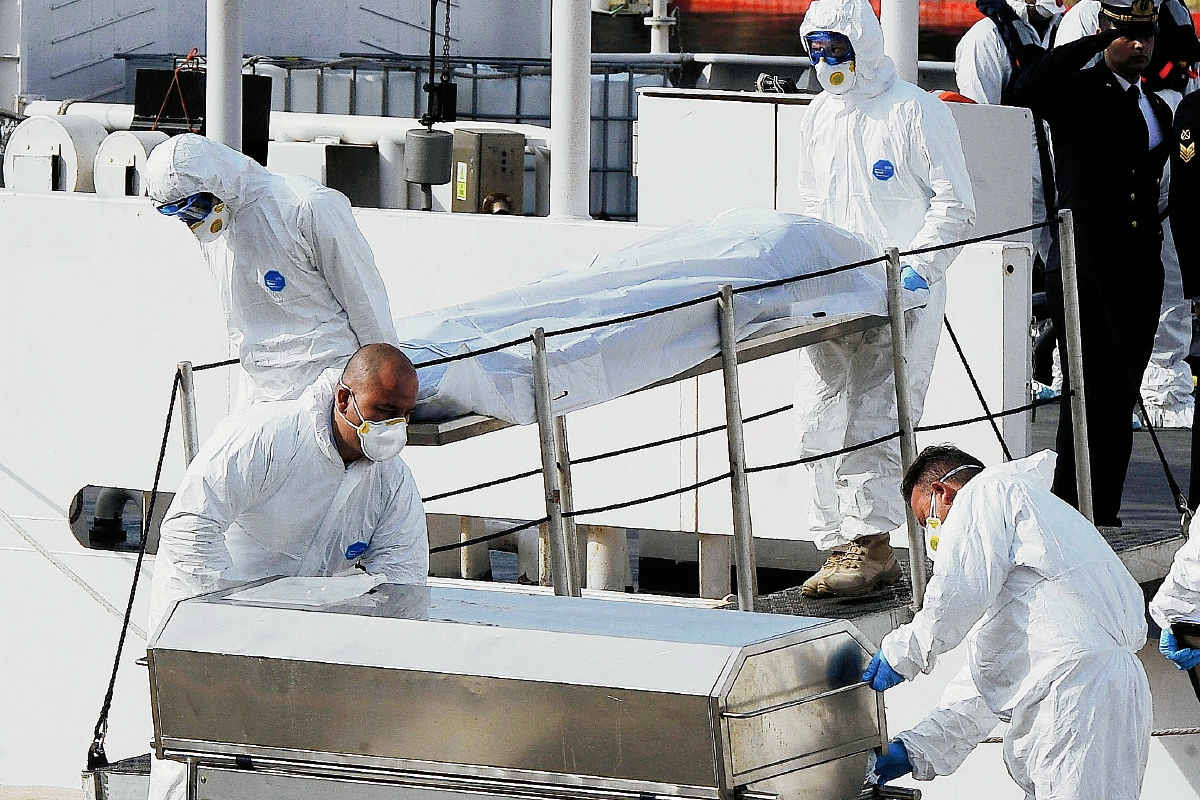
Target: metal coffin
489, 685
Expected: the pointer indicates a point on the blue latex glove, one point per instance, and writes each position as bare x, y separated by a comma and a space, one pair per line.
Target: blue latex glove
880, 675
911, 279
893, 763
1183, 657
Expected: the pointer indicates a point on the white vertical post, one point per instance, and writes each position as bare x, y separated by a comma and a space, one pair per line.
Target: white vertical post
743, 535
1074, 337
187, 411
570, 108
223, 82
562, 568
900, 20
660, 27
904, 415
714, 555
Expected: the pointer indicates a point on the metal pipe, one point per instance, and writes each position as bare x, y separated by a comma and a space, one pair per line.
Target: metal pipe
576, 561
660, 23
560, 561
900, 20
1074, 337
187, 411
570, 108
904, 415
743, 536
223, 82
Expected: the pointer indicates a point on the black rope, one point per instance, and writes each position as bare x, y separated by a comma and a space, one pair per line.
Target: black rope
941, 426
215, 364
96, 757
601, 456
821, 456
650, 499
457, 545
1048, 223
978, 392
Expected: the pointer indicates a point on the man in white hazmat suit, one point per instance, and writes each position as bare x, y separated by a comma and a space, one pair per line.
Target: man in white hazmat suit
309, 487
882, 159
1053, 622
297, 280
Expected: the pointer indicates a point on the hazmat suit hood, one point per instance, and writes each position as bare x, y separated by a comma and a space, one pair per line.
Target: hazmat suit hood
188, 164
854, 19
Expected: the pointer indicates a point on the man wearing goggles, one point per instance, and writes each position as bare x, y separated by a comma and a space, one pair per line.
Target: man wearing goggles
882, 159
297, 279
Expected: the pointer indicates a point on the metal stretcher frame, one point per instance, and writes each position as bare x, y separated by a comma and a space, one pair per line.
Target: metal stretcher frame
556, 464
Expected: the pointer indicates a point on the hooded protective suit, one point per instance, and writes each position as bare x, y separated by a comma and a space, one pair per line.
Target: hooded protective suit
268, 494
297, 280
1053, 622
983, 69
884, 161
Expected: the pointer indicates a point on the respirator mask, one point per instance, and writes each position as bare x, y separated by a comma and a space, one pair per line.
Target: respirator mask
381, 440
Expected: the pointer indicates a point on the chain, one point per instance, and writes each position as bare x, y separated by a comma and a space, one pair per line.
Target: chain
446, 46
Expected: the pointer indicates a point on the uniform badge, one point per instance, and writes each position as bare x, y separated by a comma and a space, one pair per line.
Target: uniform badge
1185, 134
1143, 8
1187, 151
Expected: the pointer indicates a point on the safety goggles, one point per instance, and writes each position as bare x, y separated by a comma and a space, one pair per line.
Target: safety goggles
832, 48
191, 210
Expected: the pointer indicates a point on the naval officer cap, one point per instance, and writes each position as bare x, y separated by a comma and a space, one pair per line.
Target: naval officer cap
1131, 17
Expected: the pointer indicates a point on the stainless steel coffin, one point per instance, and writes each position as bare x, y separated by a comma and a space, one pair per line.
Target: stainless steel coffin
485, 688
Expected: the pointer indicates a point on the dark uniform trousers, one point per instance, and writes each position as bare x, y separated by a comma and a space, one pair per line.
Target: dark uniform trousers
1185, 225
1109, 177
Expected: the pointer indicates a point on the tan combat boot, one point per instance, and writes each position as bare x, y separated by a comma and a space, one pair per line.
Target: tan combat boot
814, 586
867, 563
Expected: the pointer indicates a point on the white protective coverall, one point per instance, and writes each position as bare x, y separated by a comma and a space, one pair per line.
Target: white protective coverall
884, 161
1053, 623
297, 280
1167, 382
1179, 595
268, 494
983, 68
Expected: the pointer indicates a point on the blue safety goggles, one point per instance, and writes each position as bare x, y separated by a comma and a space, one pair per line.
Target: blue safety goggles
191, 210
832, 48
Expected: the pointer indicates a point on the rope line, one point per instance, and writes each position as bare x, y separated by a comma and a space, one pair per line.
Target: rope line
601, 456
457, 545
978, 392
96, 757
228, 363
1159, 732
1048, 223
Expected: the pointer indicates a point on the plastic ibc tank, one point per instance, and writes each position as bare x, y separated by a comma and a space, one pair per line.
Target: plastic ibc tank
120, 162
48, 154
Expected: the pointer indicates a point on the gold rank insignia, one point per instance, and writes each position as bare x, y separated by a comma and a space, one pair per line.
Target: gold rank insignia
1185, 134
1187, 151
1143, 8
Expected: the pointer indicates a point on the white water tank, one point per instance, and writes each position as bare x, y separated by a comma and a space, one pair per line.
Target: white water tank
120, 161
53, 154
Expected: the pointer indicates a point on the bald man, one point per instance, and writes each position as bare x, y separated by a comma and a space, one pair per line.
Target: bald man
311, 486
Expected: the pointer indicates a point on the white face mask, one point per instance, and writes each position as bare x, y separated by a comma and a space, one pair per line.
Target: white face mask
837, 79
379, 441
213, 226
